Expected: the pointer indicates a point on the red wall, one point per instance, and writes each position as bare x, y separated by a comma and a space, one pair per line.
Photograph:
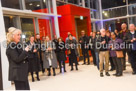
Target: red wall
67, 21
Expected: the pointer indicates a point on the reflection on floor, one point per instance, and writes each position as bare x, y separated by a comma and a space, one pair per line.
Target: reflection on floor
86, 79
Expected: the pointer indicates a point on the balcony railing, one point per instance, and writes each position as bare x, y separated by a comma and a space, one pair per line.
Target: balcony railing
119, 11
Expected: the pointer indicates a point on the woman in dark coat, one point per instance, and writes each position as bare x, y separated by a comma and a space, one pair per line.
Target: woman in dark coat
61, 54
113, 53
34, 63
17, 57
72, 51
49, 56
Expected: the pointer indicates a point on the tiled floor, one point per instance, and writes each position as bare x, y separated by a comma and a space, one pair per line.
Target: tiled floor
86, 79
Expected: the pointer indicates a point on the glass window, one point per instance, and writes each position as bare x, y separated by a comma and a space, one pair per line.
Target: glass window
117, 12
131, 1
10, 21
132, 20
112, 3
132, 9
74, 1
16, 4
60, 3
33, 4
27, 27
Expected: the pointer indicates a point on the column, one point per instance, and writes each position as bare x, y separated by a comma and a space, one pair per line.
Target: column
100, 12
56, 18
4, 61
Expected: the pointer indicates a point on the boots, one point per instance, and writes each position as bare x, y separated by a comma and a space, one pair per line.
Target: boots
49, 72
32, 76
37, 73
54, 73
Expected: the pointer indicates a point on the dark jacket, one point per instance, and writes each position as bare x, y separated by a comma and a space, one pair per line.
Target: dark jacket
92, 43
39, 49
103, 47
34, 62
114, 47
85, 41
73, 48
61, 52
128, 37
122, 34
18, 63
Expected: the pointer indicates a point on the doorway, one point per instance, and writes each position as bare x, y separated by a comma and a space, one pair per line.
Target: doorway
81, 24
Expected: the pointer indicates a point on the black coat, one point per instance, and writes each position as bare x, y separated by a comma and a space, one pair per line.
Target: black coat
61, 52
128, 37
18, 63
85, 41
34, 62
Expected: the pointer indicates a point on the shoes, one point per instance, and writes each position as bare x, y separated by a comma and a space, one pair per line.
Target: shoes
38, 79
49, 74
88, 64
76, 68
119, 74
54, 74
107, 74
72, 69
101, 75
134, 73
65, 71
115, 74
83, 63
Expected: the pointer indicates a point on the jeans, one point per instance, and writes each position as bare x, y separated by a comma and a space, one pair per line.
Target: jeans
97, 59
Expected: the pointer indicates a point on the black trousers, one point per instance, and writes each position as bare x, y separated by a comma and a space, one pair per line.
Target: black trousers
118, 65
85, 55
22, 85
73, 59
133, 60
112, 63
94, 56
60, 65
124, 59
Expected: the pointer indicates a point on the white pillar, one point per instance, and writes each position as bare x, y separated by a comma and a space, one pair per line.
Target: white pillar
4, 61
56, 18
83, 3
100, 9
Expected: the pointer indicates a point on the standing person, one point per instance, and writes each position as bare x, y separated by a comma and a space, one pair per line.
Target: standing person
84, 41
130, 38
34, 63
17, 57
104, 53
55, 40
113, 52
72, 51
39, 42
92, 40
122, 34
61, 54
66, 41
108, 34
49, 56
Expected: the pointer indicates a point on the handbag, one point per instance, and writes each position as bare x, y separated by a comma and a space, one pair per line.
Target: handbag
68, 52
119, 54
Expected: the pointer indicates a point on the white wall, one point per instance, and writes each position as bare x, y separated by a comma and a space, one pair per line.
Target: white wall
4, 62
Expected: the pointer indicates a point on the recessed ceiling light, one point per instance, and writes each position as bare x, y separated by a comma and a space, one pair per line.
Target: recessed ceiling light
30, 4
38, 5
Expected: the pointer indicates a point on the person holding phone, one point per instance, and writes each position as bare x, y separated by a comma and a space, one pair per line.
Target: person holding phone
34, 62
17, 57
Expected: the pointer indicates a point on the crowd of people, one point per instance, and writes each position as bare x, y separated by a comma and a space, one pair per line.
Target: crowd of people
38, 55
